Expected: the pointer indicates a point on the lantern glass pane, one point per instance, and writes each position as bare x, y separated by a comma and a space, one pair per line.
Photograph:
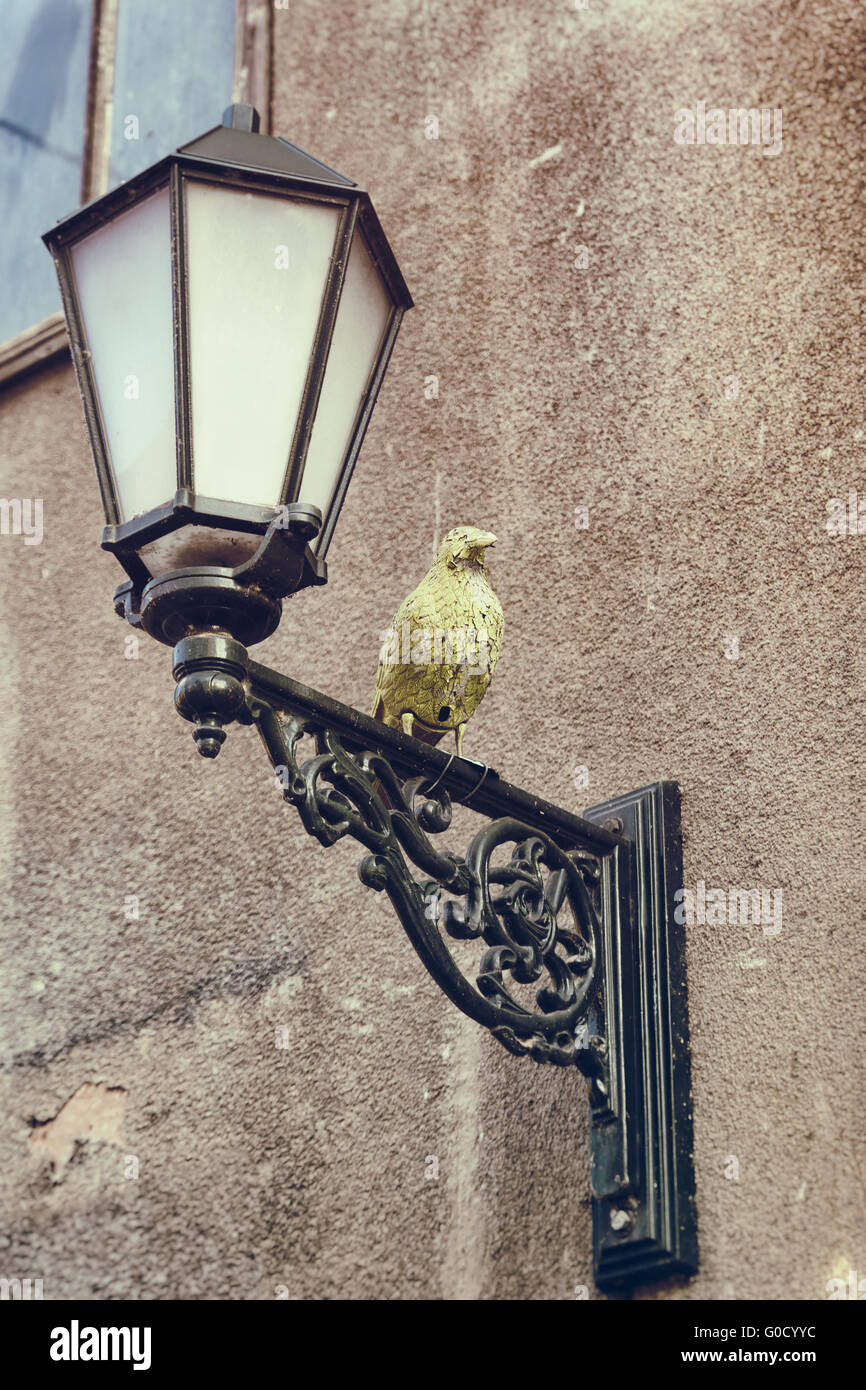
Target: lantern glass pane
123, 277
362, 317
257, 272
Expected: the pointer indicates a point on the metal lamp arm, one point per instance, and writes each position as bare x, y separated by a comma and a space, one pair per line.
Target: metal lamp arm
581, 955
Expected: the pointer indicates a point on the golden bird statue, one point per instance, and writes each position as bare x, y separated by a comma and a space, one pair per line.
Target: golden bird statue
439, 654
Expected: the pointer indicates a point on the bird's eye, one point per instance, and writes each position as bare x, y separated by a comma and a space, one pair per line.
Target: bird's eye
444, 712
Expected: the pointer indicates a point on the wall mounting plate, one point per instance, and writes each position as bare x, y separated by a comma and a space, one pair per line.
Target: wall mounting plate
644, 1211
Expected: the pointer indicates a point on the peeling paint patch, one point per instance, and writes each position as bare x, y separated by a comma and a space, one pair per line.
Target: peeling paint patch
552, 153
94, 1113
395, 991
750, 962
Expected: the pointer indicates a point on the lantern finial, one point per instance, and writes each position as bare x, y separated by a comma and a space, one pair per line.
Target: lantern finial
240, 116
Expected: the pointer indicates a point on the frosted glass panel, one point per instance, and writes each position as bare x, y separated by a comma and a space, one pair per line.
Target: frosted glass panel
258, 267
123, 273
365, 307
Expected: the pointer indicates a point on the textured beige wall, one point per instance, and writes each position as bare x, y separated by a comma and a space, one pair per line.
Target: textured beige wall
559, 387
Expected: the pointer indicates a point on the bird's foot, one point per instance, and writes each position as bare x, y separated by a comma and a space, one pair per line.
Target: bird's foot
407, 720
459, 733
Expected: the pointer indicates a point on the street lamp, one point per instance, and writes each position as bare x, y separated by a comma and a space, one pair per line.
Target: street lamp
231, 312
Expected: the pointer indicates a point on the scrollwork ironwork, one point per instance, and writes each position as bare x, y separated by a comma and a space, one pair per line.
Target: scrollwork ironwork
578, 955
534, 914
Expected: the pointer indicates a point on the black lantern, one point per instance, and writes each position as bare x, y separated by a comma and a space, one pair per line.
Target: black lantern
231, 313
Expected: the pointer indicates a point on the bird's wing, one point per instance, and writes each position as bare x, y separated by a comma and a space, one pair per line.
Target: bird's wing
418, 609
415, 685
495, 632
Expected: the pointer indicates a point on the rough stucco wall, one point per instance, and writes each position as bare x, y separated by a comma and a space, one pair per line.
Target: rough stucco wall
559, 387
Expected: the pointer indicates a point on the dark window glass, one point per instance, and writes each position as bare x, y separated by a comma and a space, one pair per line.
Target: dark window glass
173, 77
173, 73
44, 58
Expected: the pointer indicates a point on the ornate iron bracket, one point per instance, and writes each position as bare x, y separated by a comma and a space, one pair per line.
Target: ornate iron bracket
582, 960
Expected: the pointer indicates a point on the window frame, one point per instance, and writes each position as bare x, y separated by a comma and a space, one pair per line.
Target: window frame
47, 341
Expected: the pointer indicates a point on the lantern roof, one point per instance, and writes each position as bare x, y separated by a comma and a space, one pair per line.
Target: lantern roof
238, 144
267, 154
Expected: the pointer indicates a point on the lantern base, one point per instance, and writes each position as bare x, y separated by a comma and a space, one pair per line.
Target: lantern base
203, 599
244, 602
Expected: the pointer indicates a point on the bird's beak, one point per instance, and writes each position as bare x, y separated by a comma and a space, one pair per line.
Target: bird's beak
480, 544
474, 550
